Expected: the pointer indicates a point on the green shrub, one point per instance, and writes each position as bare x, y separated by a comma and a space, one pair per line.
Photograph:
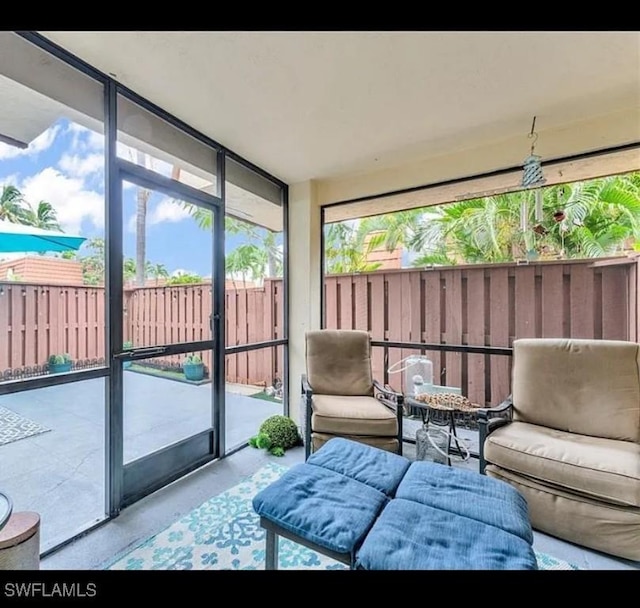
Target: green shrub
277, 434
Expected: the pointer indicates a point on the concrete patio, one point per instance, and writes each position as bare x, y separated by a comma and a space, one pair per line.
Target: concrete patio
61, 473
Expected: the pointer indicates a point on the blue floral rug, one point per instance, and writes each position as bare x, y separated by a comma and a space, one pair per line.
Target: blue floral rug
224, 533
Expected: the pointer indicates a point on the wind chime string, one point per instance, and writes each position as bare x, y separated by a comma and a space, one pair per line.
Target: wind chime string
532, 176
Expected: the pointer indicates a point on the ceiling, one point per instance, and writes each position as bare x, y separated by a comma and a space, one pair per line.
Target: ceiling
318, 105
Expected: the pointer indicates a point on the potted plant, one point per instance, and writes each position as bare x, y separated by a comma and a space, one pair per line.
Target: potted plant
193, 368
59, 363
128, 345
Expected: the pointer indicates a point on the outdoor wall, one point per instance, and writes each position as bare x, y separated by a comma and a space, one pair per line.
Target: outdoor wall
304, 281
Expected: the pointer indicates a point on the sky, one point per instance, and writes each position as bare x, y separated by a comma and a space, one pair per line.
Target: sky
64, 166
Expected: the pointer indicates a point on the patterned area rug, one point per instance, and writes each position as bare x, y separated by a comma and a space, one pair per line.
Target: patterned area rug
14, 427
224, 533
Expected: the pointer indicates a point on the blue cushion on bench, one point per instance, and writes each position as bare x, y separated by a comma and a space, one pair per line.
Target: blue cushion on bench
413, 536
321, 506
377, 468
467, 493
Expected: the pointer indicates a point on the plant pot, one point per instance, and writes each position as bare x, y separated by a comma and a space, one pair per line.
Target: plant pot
193, 371
58, 368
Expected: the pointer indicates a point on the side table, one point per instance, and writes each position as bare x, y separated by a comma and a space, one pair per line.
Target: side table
439, 410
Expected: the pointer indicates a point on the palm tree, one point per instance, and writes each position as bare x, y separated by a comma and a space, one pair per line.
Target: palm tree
274, 253
247, 259
42, 216
264, 238
156, 271
399, 227
12, 205
585, 219
347, 248
601, 217
142, 198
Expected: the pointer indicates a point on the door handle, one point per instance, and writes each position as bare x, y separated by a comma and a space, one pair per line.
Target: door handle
141, 353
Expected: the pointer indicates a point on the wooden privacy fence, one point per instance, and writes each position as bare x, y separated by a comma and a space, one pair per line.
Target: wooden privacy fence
479, 305
484, 305
167, 315
39, 320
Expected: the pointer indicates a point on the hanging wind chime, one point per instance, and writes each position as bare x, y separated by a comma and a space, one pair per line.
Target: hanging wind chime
531, 178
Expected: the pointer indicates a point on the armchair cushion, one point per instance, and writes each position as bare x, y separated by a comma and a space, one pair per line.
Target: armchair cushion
339, 362
495, 504
326, 508
379, 469
603, 469
340, 415
409, 535
588, 387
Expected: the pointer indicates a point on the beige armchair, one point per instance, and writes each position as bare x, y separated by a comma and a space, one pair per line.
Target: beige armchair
570, 441
340, 396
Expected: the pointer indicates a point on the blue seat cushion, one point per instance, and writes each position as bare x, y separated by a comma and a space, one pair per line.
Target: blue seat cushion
321, 506
377, 468
489, 501
412, 536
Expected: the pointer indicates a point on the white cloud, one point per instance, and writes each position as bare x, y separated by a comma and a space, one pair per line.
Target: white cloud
10, 180
40, 143
68, 196
82, 166
85, 139
168, 210
165, 211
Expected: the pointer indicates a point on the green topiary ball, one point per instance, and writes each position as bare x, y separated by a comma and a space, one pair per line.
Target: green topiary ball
282, 431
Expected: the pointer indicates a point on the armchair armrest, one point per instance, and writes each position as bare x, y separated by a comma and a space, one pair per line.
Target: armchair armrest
489, 419
388, 396
395, 402
484, 413
306, 387
306, 412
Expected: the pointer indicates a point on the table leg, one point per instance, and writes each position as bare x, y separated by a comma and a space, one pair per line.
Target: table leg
452, 429
271, 557
455, 434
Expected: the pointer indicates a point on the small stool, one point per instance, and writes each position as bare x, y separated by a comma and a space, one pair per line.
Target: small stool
20, 542
330, 502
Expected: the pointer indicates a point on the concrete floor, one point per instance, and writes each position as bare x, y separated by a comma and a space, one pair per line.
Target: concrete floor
157, 511
60, 473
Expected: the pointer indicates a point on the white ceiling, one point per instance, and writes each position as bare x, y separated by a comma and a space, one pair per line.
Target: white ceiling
315, 105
